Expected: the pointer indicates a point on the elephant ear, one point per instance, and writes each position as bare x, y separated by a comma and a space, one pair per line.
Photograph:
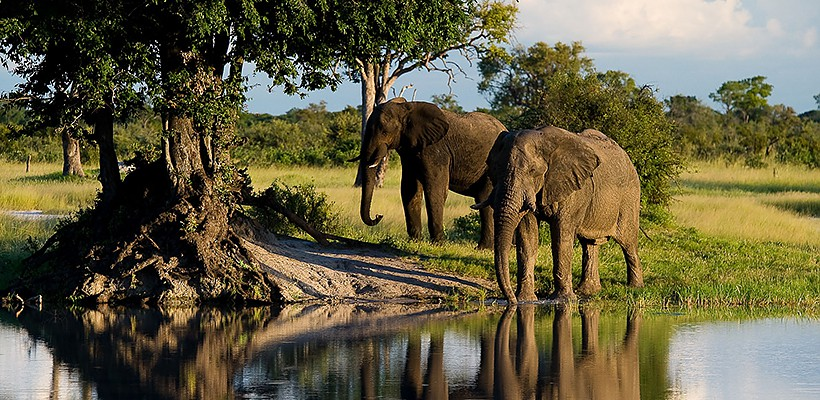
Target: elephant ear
426, 125
570, 164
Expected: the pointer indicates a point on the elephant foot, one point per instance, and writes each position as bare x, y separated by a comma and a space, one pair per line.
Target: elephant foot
588, 288
562, 297
527, 297
484, 246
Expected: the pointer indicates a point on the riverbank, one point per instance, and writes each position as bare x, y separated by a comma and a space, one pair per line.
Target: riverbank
683, 265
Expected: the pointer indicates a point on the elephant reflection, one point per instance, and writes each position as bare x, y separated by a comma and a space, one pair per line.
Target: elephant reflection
519, 381
510, 366
413, 386
597, 373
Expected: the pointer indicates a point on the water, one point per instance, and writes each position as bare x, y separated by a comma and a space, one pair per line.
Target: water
392, 351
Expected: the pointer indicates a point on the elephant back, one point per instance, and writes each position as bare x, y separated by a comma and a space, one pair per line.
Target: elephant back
611, 152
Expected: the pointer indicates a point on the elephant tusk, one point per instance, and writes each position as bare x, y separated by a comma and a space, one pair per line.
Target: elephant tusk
357, 158
375, 164
479, 206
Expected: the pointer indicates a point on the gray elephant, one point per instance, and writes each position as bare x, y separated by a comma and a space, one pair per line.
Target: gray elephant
583, 185
439, 151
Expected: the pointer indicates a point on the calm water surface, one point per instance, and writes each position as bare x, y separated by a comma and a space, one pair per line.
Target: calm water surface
392, 351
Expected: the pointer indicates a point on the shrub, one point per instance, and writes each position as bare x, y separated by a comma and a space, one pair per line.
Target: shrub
304, 201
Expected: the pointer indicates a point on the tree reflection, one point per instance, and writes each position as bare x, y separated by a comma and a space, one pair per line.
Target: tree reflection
346, 351
150, 353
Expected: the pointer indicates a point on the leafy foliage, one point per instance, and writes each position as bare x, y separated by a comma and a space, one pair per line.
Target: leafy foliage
310, 136
750, 131
559, 86
303, 200
744, 98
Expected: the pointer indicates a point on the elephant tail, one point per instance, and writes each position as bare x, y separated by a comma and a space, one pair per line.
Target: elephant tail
645, 234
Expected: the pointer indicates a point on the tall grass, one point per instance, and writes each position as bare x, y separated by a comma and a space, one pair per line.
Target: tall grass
44, 188
778, 204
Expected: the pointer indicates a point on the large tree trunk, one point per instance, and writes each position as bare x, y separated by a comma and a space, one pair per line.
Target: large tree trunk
376, 83
109, 166
72, 164
168, 237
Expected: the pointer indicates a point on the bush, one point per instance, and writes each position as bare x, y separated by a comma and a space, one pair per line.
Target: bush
304, 201
559, 86
466, 228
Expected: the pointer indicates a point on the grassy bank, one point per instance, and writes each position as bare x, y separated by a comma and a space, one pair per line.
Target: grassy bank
740, 237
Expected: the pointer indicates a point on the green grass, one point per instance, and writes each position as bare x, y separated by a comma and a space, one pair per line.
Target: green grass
44, 188
740, 238
779, 204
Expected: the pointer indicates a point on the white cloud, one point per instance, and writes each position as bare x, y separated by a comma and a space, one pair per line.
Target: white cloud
705, 28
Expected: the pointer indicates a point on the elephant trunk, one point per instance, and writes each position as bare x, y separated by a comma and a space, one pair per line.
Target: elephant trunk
368, 171
506, 219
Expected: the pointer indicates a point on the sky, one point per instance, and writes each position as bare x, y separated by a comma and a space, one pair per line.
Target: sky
687, 47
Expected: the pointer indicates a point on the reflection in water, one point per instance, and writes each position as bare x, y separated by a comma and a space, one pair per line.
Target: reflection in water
147, 353
342, 351
364, 352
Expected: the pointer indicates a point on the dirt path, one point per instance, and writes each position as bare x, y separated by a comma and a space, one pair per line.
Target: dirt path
307, 271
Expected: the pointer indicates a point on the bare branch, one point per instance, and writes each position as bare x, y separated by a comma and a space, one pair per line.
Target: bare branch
16, 99
405, 87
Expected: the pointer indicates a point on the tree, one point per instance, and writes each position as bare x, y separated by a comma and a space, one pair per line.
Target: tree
744, 98
388, 39
78, 70
698, 130
558, 85
169, 232
513, 80
447, 102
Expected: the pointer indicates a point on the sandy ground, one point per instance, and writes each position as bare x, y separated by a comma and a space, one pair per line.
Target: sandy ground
306, 271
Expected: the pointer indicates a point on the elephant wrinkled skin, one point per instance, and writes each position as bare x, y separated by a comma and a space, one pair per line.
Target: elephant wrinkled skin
583, 185
439, 151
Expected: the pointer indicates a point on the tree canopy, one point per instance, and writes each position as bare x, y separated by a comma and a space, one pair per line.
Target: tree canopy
745, 98
168, 231
558, 85
750, 130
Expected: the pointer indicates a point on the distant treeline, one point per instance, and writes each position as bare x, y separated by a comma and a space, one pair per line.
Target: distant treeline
754, 136
310, 136
318, 137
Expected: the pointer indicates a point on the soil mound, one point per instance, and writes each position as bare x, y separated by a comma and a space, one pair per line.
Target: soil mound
305, 271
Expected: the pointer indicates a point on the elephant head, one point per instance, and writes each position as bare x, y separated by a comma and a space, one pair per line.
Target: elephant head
395, 125
531, 171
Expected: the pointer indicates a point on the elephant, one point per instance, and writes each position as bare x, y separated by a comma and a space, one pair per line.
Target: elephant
583, 185
439, 151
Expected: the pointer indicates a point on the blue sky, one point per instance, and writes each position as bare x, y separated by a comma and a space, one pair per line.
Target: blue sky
685, 47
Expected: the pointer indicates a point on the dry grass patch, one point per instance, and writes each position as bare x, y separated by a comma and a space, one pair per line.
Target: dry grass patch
337, 183
777, 204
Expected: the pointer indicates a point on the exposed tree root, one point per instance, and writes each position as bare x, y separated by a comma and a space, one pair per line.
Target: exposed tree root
148, 247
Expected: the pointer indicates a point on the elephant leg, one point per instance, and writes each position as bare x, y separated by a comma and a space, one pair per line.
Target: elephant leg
411, 198
526, 244
435, 194
486, 237
629, 245
627, 238
561, 264
590, 278
634, 271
